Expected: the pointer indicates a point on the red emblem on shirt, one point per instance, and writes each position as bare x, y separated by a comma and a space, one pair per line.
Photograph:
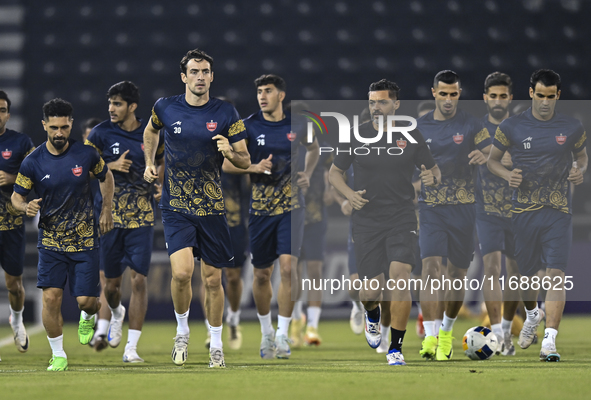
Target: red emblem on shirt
291, 136
401, 143
6, 154
142, 147
559, 139
458, 139
77, 171
211, 126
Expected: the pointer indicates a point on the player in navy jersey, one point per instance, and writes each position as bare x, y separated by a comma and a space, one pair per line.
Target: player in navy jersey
543, 145
119, 141
384, 220
446, 213
14, 146
60, 171
199, 132
276, 220
493, 217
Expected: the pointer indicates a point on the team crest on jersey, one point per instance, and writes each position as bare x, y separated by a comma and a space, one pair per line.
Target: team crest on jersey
292, 136
559, 139
77, 171
401, 143
6, 154
211, 125
458, 139
142, 147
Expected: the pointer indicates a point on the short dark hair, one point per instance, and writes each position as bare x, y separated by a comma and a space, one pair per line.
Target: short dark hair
128, 91
197, 55
498, 79
425, 105
546, 77
384, 84
271, 79
90, 123
447, 76
4, 96
57, 108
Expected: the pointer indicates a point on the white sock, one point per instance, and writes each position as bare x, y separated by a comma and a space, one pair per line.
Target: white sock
532, 315
182, 323
297, 310
429, 328
86, 316
117, 311
57, 346
437, 325
385, 332
506, 325
206, 322
282, 325
266, 325
357, 306
419, 308
133, 336
448, 323
314, 316
16, 317
233, 317
216, 337
549, 337
102, 327
498, 331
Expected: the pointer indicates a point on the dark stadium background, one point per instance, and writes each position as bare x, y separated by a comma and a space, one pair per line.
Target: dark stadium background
326, 50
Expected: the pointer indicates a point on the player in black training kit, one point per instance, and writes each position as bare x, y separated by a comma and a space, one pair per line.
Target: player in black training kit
384, 219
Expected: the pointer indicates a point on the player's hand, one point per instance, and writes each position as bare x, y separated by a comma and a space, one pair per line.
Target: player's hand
477, 158
158, 192
302, 180
6, 178
427, 176
265, 166
346, 207
575, 176
515, 178
224, 146
122, 164
356, 199
106, 221
150, 173
33, 207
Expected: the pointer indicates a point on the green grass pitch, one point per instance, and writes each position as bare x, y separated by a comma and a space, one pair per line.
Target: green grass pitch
343, 367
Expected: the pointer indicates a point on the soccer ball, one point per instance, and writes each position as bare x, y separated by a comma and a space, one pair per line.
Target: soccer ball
480, 343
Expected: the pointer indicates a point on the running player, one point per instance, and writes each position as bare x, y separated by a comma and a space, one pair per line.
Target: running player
199, 133
543, 145
384, 220
15, 146
493, 217
119, 141
276, 220
446, 213
60, 171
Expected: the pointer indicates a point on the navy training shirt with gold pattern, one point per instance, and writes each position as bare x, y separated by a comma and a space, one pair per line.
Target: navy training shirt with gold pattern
133, 199
192, 177
67, 220
542, 150
14, 146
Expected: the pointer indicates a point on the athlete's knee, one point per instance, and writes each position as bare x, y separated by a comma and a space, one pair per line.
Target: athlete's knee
112, 286
88, 304
492, 264
262, 276
182, 275
213, 280
431, 267
138, 282
52, 299
455, 272
14, 284
234, 275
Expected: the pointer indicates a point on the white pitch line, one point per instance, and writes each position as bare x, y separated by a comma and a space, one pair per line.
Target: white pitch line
33, 330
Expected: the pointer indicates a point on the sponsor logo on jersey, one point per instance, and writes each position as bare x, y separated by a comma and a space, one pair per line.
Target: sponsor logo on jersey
6, 154
291, 136
177, 123
458, 139
561, 139
211, 125
529, 139
45, 177
401, 143
115, 144
77, 171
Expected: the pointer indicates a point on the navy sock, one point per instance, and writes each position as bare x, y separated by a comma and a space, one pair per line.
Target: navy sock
397, 339
374, 315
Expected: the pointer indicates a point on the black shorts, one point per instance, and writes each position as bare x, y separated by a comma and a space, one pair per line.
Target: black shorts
374, 251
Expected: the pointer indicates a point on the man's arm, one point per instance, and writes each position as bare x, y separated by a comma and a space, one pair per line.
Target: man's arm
580, 163
478, 157
6, 178
263, 167
236, 153
312, 156
20, 203
150, 145
107, 188
496, 167
336, 179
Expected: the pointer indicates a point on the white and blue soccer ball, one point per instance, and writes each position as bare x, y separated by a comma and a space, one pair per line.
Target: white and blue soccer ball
480, 343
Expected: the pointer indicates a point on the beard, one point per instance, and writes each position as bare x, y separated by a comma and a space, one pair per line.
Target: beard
58, 143
497, 112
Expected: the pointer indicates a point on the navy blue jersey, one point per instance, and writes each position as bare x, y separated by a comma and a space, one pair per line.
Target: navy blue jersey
315, 195
236, 196
450, 142
274, 194
542, 150
192, 177
133, 200
66, 221
493, 194
15, 146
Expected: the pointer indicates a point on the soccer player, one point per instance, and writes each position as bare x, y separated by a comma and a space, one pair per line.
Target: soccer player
276, 220
60, 171
119, 141
15, 146
446, 212
543, 145
384, 220
493, 217
199, 133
